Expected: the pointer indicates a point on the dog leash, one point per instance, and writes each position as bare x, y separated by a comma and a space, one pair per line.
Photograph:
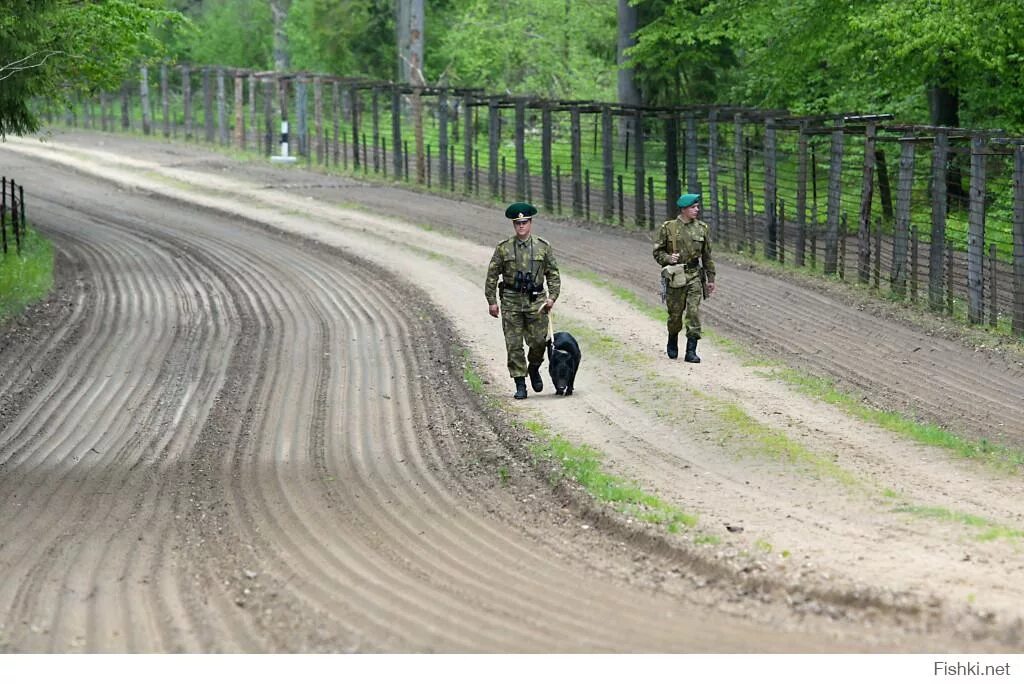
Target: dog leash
551, 325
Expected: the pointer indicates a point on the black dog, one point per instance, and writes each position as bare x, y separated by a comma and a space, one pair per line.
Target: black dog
563, 361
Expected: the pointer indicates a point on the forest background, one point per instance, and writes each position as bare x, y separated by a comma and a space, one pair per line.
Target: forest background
941, 62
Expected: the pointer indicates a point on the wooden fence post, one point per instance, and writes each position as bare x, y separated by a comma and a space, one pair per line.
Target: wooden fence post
672, 190
208, 105
866, 189
493, 142
738, 180
913, 262
725, 225
147, 112
375, 119
692, 179
904, 187
577, 161
302, 117
165, 105
770, 191
607, 163
254, 125
835, 178
520, 145
638, 166
353, 100
546, 179
396, 130
468, 134
239, 111
801, 195
222, 118
442, 137
976, 233
1018, 240
940, 157
126, 122
993, 306
782, 231
715, 224
186, 95
878, 254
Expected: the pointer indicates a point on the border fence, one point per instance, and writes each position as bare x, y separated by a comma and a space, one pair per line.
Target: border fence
12, 212
920, 213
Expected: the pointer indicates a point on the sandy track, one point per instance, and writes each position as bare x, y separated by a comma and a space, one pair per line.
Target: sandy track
245, 448
288, 464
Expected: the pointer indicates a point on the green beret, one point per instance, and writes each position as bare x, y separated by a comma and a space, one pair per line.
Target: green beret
520, 210
687, 200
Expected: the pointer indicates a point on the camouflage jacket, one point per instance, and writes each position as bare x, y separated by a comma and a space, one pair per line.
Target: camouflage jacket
692, 240
535, 256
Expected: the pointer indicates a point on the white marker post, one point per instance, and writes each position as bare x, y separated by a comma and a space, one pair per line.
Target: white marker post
284, 157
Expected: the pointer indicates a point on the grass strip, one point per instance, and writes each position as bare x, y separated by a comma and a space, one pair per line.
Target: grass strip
582, 464
27, 277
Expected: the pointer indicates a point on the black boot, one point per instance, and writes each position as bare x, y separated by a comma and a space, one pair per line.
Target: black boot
520, 388
672, 349
691, 350
535, 380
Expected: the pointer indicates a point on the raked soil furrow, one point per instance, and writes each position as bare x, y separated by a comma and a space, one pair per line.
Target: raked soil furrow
293, 461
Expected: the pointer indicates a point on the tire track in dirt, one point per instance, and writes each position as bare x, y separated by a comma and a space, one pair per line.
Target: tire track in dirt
200, 521
398, 235
895, 366
93, 391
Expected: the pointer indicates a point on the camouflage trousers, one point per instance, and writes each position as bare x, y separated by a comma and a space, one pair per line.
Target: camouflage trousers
519, 327
684, 300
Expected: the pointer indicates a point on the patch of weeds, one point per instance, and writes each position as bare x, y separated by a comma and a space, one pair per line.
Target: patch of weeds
503, 475
27, 277
582, 464
709, 539
469, 374
763, 545
755, 439
995, 455
988, 530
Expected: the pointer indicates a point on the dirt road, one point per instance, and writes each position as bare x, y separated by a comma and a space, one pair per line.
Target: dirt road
241, 424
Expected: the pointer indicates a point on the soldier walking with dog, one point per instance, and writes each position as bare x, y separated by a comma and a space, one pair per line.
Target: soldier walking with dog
683, 250
524, 262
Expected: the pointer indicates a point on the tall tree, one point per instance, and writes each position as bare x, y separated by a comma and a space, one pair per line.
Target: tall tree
349, 37
282, 56
53, 48
628, 25
409, 22
940, 59
537, 47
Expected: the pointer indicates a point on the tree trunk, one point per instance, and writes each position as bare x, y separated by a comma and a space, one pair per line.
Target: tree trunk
279, 9
628, 24
944, 110
409, 30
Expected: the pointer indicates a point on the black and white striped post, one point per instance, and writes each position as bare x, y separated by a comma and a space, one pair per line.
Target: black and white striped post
284, 156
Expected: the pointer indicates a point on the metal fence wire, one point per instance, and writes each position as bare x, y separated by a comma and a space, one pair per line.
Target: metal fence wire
920, 213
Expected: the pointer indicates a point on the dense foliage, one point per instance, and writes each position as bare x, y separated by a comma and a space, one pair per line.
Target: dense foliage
853, 55
57, 47
954, 62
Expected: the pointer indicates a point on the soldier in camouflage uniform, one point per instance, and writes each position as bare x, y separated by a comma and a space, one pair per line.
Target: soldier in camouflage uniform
524, 262
683, 250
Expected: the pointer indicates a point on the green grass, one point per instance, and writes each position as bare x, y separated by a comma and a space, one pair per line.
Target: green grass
25, 278
583, 464
997, 456
987, 530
